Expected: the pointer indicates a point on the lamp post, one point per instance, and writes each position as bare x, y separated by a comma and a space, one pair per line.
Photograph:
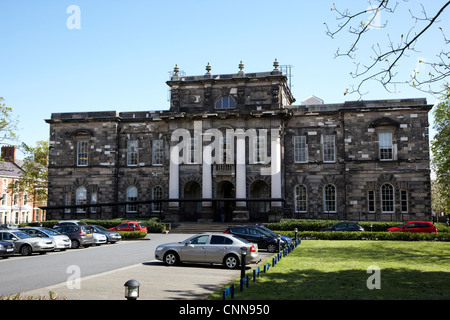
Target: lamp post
132, 289
243, 260
296, 231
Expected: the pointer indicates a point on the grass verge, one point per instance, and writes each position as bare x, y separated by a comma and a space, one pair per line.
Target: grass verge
338, 270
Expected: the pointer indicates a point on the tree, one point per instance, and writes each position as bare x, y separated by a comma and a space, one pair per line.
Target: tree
34, 178
440, 147
8, 125
391, 48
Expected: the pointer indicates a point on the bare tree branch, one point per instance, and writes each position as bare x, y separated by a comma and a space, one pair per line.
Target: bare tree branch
386, 58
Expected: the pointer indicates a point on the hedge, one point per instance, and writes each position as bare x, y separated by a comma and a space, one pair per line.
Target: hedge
367, 235
153, 225
316, 225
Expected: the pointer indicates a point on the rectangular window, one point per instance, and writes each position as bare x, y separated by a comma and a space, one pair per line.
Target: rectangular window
371, 201
385, 146
4, 199
328, 148
259, 149
157, 152
300, 149
156, 194
5, 184
82, 153
68, 201
93, 201
404, 200
192, 151
132, 153
225, 151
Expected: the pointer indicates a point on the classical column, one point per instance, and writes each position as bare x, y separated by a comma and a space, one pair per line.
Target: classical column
240, 213
275, 166
207, 176
240, 167
174, 181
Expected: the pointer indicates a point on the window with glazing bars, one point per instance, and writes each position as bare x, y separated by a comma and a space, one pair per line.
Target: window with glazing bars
300, 198
385, 146
132, 153
157, 152
328, 148
329, 198
300, 149
82, 153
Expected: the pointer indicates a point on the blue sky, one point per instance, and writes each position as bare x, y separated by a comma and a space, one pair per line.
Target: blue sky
120, 57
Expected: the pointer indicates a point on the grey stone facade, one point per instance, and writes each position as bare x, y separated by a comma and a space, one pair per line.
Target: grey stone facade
359, 160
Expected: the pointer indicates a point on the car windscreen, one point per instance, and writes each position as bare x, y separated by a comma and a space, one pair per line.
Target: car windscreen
50, 232
141, 225
21, 235
101, 228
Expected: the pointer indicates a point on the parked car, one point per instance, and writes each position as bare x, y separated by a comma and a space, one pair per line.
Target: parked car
6, 249
7, 226
285, 238
70, 223
62, 241
25, 244
111, 236
99, 238
415, 226
264, 239
344, 226
208, 248
79, 235
130, 226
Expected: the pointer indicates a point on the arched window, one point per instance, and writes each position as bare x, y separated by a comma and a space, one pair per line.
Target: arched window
329, 198
156, 194
387, 198
132, 195
300, 198
80, 198
225, 103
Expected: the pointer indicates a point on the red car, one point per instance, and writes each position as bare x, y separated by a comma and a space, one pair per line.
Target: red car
415, 226
130, 226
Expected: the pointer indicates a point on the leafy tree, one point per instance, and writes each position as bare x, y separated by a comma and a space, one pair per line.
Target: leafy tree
440, 147
8, 125
34, 178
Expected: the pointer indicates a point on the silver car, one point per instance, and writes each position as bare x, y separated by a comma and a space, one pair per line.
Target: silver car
25, 244
208, 248
62, 242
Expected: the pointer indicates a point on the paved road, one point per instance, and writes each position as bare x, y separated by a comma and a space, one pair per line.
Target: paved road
105, 269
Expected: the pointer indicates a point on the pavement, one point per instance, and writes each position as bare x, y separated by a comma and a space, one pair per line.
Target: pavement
157, 282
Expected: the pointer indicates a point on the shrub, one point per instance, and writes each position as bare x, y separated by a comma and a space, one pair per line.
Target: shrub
367, 235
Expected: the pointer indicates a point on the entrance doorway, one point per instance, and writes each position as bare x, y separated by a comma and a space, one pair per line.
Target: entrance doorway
226, 190
192, 190
259, 189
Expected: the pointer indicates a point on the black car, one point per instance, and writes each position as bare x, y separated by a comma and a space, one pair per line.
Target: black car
111, 236
344, 226
264, 239
6, 249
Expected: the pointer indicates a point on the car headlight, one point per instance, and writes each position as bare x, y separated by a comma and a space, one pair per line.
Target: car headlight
2, 247
158, 249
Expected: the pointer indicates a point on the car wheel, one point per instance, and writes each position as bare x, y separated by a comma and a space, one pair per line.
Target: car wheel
171, 258
25, 250
272, 248
75, 244
231, 261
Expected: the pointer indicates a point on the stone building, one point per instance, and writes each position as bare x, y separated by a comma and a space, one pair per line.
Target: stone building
235, 147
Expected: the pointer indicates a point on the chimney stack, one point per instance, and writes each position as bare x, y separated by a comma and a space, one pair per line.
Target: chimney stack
9, 153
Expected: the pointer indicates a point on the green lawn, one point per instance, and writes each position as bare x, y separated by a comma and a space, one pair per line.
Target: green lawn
321, 269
